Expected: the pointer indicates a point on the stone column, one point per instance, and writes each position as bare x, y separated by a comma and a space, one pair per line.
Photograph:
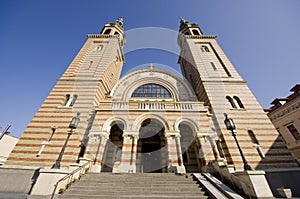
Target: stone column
206, 153
178, 147
134, 149
96, 147
174, 152
218, 162
128, 157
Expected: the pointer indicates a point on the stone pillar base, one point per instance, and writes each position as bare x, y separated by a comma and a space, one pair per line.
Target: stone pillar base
254, 183
46, 181
96, 168
176, 169
123, 168
227, 171
216, 164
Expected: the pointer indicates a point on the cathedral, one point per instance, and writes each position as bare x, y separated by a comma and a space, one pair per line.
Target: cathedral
151, 120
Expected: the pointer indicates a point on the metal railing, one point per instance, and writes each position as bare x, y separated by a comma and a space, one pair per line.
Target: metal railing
69, 177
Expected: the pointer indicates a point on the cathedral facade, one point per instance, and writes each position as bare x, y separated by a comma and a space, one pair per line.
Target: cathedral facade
151, 120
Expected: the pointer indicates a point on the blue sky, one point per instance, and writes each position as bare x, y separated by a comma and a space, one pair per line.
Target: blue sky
38, 40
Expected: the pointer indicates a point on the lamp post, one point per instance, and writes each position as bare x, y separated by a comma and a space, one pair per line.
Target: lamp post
230, 126
73, 125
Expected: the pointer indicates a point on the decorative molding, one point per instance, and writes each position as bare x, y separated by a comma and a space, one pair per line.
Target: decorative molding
200, 36
102, 36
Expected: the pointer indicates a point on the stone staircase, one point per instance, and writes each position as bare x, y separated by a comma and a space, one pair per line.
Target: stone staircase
136, 186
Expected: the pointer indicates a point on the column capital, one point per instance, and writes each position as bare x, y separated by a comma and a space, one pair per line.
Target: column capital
172, 133
202, 135
209, 136
134, 134
104, 134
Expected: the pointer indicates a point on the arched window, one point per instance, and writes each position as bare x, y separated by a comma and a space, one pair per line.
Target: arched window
67, 99
256, 144
213, 65
204, 48
70, 100
73, 100
107, 31
196, 32
98, 48
116, 33
238, 103
151, 91
253, 137
187, 33
230, 102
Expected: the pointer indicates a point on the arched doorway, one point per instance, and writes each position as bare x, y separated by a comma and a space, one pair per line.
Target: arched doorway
151, 152
113, 148
189, 148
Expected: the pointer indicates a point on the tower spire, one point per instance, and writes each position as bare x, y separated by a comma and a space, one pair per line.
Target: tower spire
183, 22
120, 21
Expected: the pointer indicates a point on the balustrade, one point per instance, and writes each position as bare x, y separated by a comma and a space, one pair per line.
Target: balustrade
148, 105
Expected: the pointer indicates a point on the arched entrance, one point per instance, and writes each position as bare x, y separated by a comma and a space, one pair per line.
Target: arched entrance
151, 152
113, 148
189, 148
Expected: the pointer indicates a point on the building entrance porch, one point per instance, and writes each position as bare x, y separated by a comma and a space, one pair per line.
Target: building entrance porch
151, 149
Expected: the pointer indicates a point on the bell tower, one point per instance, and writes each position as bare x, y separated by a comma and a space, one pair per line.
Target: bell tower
87, 81
217, 83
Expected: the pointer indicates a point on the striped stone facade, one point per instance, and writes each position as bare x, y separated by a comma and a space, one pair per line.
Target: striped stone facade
120, 132
218, 84
85, 83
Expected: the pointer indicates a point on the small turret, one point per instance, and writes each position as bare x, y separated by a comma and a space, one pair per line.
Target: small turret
187, 28
115, 28
120, 21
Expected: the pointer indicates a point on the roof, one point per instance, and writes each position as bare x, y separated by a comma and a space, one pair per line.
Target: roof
287, 99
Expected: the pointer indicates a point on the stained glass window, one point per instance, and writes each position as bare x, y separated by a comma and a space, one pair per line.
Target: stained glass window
151, 91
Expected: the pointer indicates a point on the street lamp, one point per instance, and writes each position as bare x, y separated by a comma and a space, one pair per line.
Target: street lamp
230, 126
73, 125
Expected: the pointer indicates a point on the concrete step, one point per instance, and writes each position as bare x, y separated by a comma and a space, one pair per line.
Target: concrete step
126, 186
133, 197
134, 182
12, 196
144, 186
136, 192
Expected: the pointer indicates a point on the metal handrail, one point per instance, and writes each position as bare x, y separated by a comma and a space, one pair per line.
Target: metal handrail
70, 175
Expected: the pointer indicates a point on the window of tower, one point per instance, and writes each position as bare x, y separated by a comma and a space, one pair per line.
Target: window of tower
213, 65
70, 100
73, 100
204, 49
67, 99
230, 102
253, 137
187, 33
256, 144
238, 102
116, 33
107, 31
151, 91
98, 48
195, 32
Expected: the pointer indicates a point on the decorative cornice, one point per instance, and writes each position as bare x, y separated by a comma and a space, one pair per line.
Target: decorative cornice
200, 36
102, 36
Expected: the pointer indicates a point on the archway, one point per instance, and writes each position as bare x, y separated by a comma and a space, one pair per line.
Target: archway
151, 152
113, 148
189, 148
